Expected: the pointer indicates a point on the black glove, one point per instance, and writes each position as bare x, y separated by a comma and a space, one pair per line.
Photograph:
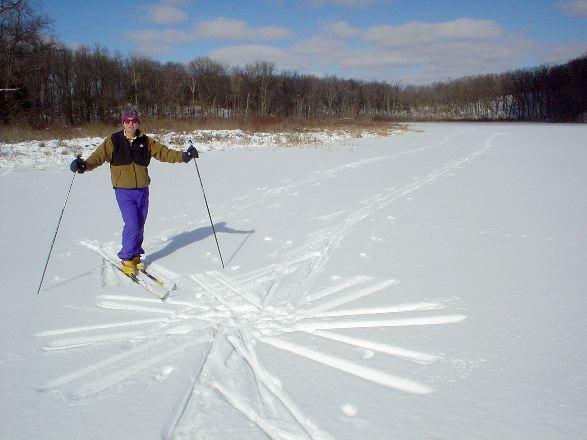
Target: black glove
78, 165
189, 154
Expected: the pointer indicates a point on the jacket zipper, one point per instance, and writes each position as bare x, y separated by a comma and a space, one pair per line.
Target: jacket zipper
134, 167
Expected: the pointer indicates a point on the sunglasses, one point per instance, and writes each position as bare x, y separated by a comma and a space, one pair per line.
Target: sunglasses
130, 121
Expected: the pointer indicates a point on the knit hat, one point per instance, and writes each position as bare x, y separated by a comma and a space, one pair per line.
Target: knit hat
129, 113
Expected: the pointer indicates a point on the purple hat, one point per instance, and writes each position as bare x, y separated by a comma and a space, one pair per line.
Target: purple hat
129, 113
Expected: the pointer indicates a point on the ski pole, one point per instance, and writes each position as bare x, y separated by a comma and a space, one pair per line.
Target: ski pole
207, 207
55, 235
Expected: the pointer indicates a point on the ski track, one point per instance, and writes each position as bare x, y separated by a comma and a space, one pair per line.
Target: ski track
402, 353
263, 194
226, 318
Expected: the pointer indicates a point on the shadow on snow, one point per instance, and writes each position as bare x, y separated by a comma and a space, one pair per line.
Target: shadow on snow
188, 237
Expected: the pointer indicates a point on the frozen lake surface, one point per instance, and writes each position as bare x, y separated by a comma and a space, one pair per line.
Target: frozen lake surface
426, 285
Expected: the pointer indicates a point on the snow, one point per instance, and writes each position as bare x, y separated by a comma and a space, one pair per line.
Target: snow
428, 284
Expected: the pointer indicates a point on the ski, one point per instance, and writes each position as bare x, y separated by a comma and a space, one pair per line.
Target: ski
152, 277
162, 295
163, 284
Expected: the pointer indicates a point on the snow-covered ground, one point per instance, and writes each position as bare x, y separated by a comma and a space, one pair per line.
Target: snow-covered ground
427, 285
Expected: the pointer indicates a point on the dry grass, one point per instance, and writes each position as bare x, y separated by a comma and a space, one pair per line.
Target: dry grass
23, 132
269, 125
356, 127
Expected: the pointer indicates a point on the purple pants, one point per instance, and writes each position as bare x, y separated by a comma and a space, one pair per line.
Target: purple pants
134, 205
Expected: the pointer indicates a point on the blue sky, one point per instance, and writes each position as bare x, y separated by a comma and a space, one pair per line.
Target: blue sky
409, 41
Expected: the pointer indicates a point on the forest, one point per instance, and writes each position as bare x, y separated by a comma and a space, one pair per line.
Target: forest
45, 83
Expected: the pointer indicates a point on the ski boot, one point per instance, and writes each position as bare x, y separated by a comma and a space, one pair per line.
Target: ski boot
129, 267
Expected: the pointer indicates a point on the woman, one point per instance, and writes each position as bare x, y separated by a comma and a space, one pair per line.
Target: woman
129, 152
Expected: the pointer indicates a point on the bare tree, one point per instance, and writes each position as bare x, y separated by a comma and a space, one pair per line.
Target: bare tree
261, 75
20, 38
207, 81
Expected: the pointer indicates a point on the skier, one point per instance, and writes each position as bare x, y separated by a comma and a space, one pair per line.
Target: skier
129, 152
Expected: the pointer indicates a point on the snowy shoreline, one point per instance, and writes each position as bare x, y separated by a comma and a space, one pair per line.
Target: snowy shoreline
45, 154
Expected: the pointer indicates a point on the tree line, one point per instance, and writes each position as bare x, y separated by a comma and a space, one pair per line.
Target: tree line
44, 82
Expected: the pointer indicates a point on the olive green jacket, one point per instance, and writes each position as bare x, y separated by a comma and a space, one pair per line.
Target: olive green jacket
131, 175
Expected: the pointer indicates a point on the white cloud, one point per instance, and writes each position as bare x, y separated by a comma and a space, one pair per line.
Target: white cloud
576, 8
236, 30
562, 54
242, 55
419, 33
218, 29
167, 12
164, 41
321, 47
340, 29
